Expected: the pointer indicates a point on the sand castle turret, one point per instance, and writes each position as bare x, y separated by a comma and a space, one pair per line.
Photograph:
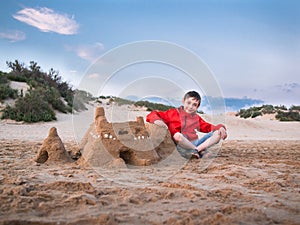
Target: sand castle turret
52, 149
131, 142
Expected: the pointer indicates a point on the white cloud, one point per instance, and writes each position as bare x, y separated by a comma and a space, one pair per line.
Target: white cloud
93, 75
47, 20
88, 52
13, 35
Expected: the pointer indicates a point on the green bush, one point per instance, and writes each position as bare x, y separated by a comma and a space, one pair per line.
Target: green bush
255, 114
258, 111
280, 107
31, 108
295, 107
3, 78
122, 101
267, 109
245, 113
99, 101
282, 114
46, 90
256, 108
7, 92
153, 106
15, 77
288, 116
52, 96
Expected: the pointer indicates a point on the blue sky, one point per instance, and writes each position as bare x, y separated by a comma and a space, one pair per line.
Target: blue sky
251, 46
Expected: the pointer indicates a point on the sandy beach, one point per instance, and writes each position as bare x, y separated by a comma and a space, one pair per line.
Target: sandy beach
254, 179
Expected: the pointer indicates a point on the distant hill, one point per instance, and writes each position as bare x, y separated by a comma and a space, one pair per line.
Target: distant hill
244, 107
149, 106
157, 100
235, 104
231, 104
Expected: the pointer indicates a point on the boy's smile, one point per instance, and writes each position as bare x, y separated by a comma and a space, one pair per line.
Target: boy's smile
190, 105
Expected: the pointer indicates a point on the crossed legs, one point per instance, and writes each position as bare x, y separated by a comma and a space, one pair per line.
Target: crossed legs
183, 142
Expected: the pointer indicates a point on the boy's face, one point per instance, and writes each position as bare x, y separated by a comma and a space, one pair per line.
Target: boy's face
190, 105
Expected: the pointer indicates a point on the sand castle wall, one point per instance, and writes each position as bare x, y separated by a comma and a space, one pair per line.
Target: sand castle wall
132, 142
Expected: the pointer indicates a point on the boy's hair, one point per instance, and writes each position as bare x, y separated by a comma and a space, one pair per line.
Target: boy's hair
192, 94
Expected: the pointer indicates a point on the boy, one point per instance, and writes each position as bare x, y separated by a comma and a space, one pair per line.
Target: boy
182, 123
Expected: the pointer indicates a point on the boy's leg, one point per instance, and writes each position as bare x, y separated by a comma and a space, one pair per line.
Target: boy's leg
186, 153
213, 139
183, 142
185, 147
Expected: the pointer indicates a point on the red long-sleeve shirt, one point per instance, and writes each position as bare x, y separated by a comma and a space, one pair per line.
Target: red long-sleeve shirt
178, 120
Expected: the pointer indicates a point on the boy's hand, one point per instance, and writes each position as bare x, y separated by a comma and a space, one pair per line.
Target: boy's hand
223, 133
160, 123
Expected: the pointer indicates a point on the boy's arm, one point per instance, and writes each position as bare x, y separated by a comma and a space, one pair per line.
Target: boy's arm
157, 117
153, 116
207, 127
169, 117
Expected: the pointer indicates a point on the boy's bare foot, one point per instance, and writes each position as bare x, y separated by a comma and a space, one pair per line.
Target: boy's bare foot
205, 154
195, 154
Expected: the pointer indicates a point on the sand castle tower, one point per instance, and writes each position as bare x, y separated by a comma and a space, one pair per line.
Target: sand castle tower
52, 149
131, 143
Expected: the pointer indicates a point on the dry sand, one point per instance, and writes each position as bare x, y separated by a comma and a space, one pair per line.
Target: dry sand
255, 179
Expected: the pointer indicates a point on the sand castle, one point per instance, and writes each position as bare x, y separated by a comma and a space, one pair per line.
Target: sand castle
117, 144
112, 144
52, 149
